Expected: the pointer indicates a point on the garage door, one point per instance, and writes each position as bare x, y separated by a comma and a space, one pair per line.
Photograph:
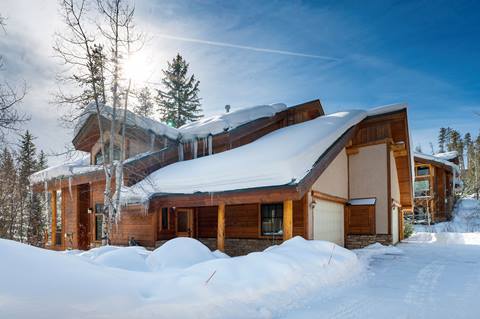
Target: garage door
328, 222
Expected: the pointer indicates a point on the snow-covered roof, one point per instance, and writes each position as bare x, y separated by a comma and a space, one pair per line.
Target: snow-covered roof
440, 160
227, 121
209, 125
133, 119
65, 170
387, 109
447, 155
282, 157
362, 201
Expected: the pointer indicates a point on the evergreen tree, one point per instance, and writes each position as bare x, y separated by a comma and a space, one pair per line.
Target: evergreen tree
179, 103
418, 148
9, 206
145, 105
27, 165
442, 137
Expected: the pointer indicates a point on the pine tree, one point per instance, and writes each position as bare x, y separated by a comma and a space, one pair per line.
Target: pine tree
27, 165
179, 103
145, 105
442, 136
469, 178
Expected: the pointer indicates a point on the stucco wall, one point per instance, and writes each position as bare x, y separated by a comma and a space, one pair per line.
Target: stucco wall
368, 178
334, 180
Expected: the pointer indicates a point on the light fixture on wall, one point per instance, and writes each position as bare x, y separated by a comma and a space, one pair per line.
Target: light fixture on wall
90, 210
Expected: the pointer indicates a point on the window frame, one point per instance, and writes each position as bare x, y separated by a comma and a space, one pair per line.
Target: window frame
422, 167
116, 154
275, 219
165, 212
98, 213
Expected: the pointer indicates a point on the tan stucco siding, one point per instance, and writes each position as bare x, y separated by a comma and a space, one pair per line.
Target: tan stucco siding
334, 180
395, 186
368, 178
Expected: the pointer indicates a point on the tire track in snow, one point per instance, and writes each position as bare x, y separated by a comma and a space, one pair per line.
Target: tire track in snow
355, 308
420, 294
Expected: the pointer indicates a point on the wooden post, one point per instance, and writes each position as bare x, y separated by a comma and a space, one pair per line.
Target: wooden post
287, 219
54, 217
221, 227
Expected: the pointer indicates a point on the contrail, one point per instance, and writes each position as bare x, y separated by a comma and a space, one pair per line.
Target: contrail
244, 47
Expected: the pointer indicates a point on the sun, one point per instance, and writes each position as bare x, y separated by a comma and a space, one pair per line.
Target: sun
138, 68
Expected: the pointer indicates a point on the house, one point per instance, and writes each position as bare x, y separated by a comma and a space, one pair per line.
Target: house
437, 179
242, 181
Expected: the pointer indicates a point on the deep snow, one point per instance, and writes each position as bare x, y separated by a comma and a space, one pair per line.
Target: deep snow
182, 280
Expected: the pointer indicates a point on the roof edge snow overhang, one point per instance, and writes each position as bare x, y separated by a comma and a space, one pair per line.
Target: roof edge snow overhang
423, 160
267, 194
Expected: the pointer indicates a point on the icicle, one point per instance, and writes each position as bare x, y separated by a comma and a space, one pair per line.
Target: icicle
195, 148
146, 206
165, 142
210, 146
152, 141
70, 186
180, 151
204, 146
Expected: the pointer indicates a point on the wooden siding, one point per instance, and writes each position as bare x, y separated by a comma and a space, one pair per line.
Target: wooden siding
360, 220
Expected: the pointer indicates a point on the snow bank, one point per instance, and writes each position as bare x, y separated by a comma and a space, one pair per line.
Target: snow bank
282, 157
101, 284
445, 238
181, 252
220, 123
466, 218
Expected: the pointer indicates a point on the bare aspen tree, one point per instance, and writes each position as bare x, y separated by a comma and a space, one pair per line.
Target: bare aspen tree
10, 96
81, 47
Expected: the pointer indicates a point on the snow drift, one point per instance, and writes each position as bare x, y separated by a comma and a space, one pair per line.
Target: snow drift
110, 281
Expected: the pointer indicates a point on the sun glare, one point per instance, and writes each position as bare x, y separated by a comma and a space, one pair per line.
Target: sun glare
137, 68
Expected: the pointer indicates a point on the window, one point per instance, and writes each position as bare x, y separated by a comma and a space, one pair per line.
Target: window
422, 188
272, 219
165, 218
58, 221
423, 171
99, 158
98, 221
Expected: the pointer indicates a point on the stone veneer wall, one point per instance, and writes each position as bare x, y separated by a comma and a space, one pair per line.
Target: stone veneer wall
360, 241
241, 246
237, 246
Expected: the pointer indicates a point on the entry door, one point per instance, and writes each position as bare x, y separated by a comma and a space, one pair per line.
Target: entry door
184, 224
84, 217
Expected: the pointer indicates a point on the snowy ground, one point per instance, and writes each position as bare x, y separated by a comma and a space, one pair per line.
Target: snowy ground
431, 275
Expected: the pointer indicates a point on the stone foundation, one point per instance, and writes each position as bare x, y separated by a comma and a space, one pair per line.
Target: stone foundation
241, 246
236, 246
360, 241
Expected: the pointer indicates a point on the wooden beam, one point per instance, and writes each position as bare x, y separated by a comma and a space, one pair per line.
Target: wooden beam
221, 227
54, 217
329, 198
287, 219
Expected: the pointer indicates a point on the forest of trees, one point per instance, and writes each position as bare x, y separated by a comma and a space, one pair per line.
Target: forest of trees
22, 212
468, 148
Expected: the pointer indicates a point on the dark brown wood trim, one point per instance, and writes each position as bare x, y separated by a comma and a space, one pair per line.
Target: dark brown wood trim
389, 190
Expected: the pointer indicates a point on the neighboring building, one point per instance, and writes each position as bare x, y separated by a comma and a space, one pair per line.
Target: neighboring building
245, 180
437, 179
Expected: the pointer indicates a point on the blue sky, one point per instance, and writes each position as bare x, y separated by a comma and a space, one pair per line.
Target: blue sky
361, 54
